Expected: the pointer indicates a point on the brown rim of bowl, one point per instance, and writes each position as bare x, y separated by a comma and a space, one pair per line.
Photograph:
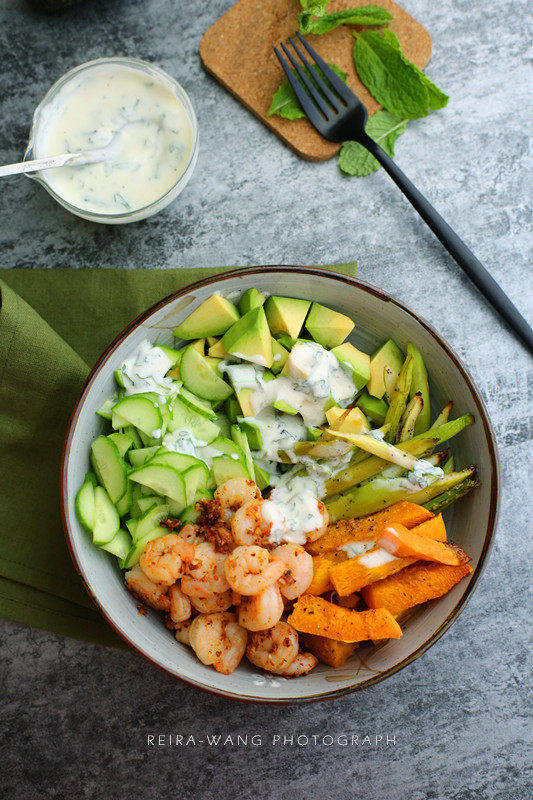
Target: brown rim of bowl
482, 414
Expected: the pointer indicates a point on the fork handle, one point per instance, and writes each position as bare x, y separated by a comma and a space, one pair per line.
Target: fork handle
454, 245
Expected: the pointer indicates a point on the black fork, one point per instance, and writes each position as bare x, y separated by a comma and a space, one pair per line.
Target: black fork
340, 116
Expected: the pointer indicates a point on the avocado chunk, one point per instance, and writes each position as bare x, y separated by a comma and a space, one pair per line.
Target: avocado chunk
286, 315
250, 338
217, 350
328, 327
212, 318
358, 362
419, 383
253, 434
385, 366
250, 299
281, 405
375, 409
353, 421
279, 356
313, 434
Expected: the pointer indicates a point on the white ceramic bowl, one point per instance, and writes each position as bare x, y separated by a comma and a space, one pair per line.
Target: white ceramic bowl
471, 522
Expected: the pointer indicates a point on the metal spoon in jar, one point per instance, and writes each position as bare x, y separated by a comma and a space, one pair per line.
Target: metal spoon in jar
109, 152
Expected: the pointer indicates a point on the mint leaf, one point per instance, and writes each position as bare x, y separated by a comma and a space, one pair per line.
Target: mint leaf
437, 98
389, 76
384, 128
284, 101
312, 8
365, 15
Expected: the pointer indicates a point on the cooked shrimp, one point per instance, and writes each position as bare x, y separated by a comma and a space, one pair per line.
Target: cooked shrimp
273, 649
219, 640
181, 631
316, 533
302, 664
205, 575
180, 605
191, 533
215, 602
251, 525
299, 573
164, 558
237, 492
153, 594
251, 569
261, 611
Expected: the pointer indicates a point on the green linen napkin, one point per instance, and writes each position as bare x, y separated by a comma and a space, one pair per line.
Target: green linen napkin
53, 325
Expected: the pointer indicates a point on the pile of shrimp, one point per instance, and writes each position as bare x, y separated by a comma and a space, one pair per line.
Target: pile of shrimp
225, 588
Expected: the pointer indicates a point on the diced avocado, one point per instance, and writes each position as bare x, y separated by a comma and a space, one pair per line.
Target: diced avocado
313, 434
419, 383
250, 299
217, 350
212, 318
199, 377
328, 327
374, 408
213, 363
353, 421
199, 345
279, 356
239, 437
286, 315
253, 434
358, 362
211, 340
387, 360
232, 408
250, 338
261, 477
285, 340
284, 407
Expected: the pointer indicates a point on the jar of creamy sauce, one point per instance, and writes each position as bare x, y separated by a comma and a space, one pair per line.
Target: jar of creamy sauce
151, 121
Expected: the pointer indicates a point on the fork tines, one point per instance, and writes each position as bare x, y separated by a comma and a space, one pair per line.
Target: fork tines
313, 101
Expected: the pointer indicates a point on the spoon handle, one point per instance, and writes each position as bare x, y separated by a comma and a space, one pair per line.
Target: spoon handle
64, 160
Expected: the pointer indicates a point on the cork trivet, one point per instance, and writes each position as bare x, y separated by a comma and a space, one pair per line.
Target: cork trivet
238, 51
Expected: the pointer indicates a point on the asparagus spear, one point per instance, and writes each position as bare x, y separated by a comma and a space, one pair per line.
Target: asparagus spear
442, 501
419, 383
399, 399
443, 416
411, 414
449, 466
381, 493
418, 446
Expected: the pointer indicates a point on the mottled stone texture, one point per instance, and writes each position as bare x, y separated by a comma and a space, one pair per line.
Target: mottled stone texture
76, 717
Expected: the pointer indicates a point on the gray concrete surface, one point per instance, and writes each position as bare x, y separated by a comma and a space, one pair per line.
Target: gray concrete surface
75, 718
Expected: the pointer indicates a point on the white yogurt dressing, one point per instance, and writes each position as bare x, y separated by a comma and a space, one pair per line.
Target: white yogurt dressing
355, 549
293, 510
376, 558
278, 432
146, 370
152, 150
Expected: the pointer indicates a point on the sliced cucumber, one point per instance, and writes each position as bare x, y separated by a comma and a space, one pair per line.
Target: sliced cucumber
139, 457
84, 505
109, 467
120, 545
253, 434
223, 424
141, 412
90, 477
190, 515
152, 517
173, 355
228, 447
200, 378
183, 417
145, 503
134, 436
180, 461
126, 501
163, 480
196, 403
131, 525
225, 468
195, 479
138, 546
106, 518
118, 422
233, 409
241, 439
106, 409
122, 441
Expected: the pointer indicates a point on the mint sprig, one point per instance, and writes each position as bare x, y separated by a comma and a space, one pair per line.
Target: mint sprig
364, 15
384, 128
